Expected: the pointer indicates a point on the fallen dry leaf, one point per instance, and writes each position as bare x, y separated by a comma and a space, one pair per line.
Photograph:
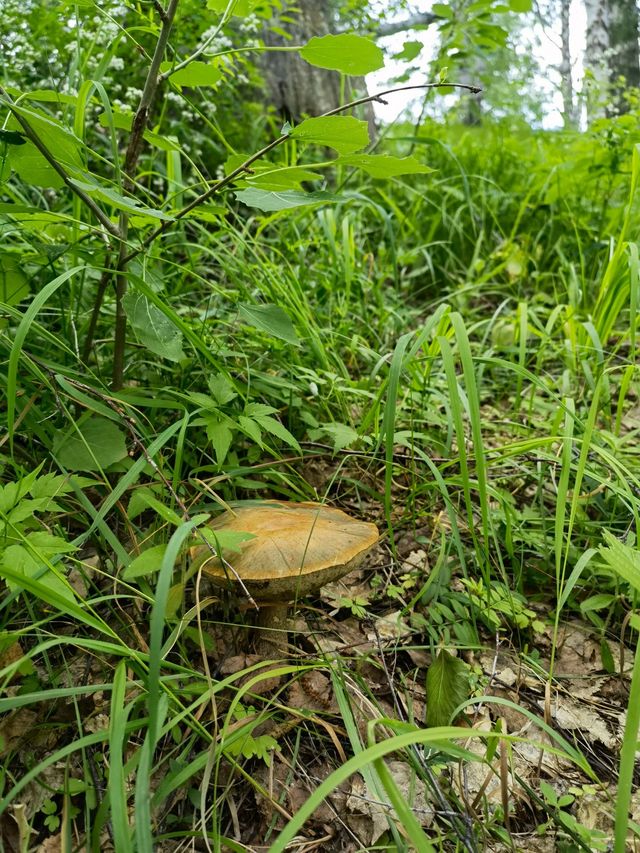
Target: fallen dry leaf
393, 626
53, 844
369, 813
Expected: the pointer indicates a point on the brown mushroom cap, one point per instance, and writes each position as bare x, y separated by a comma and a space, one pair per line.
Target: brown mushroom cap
298, 547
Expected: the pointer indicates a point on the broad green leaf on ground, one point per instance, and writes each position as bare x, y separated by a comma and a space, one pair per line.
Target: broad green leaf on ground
100, 443
14, 284
343, 133
349, 54
271, 202
153, 329
622, 559
384, 165
271, 319
194, 74
120, 202
447, 687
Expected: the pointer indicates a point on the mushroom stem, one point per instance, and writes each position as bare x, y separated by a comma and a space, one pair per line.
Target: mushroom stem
272, 624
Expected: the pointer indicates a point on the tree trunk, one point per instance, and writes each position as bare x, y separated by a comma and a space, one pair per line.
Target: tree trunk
611, 54
566, 70
294, 87
624, 69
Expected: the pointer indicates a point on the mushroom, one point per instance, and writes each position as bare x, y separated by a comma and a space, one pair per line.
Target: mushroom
296, 548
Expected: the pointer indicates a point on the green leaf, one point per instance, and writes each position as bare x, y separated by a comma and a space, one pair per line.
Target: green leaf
410, 50
447, 687
144, 498
239, 8
222, 389
598, 602
5, 167
32, 168
274, 427
343, 133
285, 200
100, 444
384, 165
220, 435
124, 121
61, 143
442, 10
30, 559
346, 53
622, 559
226, 540
51, 485
146, 563
14, 284
290, 177
258, 410
250, 428
342, 435
193, 75
520, 5
152, 328
120, 202
12, 493
270, 319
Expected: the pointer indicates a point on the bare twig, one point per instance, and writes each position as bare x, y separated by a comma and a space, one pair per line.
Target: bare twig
132, 155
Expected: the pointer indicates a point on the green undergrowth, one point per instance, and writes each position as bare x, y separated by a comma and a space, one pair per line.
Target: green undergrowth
451, 357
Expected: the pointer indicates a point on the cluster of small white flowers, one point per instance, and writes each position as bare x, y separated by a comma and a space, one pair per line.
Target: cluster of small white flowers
132, 95
117, 63
251, 24
217, 45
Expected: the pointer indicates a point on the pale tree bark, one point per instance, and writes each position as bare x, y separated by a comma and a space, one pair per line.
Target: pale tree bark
566, 68
611, 55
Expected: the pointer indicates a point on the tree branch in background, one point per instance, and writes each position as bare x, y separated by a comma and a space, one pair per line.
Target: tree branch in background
421, 19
